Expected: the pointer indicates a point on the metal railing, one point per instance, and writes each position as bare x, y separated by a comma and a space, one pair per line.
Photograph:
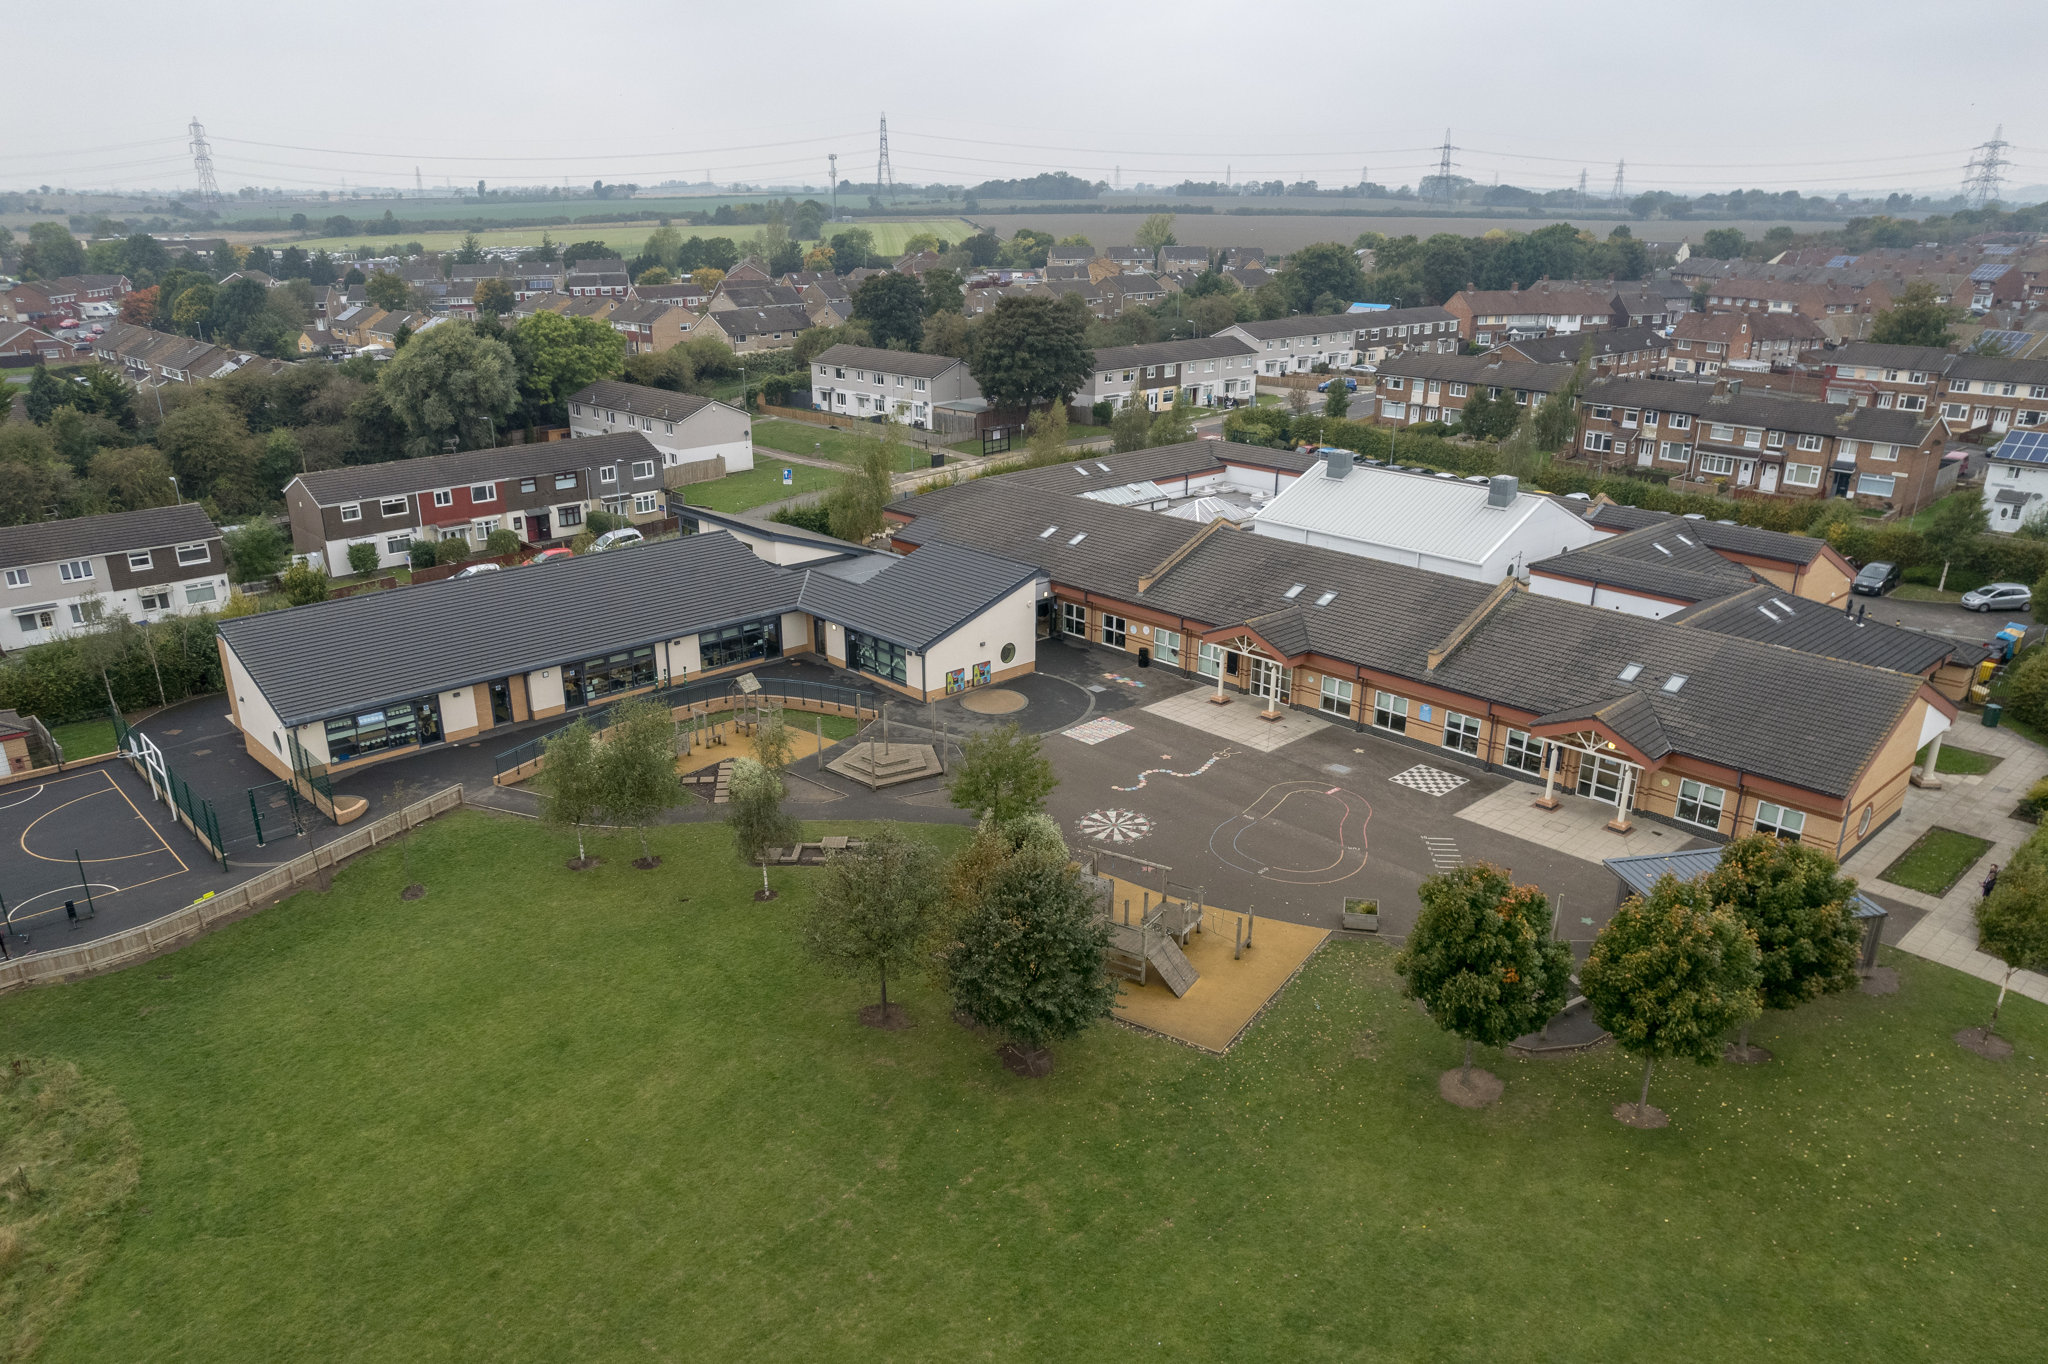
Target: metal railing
194, 812
678, 695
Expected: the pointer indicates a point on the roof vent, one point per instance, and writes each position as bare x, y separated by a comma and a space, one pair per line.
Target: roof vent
1502, 490
1631, 672
1336, 463
1674, 682
1294, 591
1046, 534
1078, 538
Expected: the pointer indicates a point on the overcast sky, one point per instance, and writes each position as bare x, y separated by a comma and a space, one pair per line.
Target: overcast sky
1878, 95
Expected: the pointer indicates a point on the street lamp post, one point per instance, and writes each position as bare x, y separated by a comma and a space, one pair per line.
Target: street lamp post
177, 492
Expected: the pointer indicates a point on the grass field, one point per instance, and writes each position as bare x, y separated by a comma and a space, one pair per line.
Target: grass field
625, 238
83, 738
1936, 861
822, 442
617, 1116
758, 485
1961, 762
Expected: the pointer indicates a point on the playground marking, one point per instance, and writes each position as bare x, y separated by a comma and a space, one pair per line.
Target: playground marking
1114, 826
34, 791
1151, 772
1351, 849
1095, 731
1430, 781
1443, 853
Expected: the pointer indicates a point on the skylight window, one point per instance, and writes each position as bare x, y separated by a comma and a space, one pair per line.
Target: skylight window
1781, 606
1683, 541
1294, 591
1078, 538
1767, 613
1674, 682
1660, 548
1100, 465
1326, 599
1046, 534
1631, 672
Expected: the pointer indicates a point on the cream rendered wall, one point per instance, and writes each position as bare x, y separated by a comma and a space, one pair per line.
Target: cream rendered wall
835, 643
258, 719
313, 738
685, 660
1012, 620
783, 551
1607, 598
458, 710
544, 690
796, 631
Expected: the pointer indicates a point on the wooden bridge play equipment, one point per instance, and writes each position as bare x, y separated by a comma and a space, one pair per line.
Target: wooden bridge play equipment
1150, 943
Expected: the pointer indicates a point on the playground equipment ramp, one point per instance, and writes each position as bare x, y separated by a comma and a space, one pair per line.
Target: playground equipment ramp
1172, 965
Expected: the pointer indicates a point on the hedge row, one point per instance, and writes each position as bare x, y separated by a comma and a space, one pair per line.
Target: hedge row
61, 681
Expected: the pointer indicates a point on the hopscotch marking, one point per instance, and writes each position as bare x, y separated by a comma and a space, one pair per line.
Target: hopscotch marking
1095, 731
1151, 772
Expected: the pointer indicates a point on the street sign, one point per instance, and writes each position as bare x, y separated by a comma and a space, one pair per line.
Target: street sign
788, 477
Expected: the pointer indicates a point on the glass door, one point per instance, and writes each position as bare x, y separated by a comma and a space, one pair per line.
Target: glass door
1600, 777
1272, 681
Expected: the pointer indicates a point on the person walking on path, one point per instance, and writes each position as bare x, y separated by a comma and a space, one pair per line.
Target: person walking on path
1991, 881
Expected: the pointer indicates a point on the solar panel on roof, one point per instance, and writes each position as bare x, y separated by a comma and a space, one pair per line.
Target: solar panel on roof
2007, 342
2023, 447
1988, 272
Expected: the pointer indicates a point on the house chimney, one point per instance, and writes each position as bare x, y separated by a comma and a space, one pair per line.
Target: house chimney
1502, 489
1336, 463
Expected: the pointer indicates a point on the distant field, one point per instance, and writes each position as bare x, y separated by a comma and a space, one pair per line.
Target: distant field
625, 238
1289, 233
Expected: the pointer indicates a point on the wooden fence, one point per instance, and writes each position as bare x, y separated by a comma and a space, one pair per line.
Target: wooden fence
202, 916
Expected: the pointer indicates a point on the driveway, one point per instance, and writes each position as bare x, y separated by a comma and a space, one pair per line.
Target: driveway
1940, 618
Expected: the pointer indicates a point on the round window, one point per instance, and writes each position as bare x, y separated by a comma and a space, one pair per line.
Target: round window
1009, 653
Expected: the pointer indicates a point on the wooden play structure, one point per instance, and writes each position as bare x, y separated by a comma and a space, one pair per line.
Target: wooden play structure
1150, 941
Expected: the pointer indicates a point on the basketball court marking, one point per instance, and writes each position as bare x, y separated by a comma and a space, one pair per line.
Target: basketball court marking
18, 912
1225, 841
23, 798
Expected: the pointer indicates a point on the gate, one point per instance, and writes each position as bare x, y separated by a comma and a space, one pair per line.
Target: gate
287, 813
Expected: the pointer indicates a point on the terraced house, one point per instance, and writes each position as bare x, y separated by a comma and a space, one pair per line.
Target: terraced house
1429, 388
61, 576
1296, 345
863, 381
1651, 718
1207, 370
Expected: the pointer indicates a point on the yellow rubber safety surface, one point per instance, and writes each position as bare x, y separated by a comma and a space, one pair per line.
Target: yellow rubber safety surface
803, 744
1231, 991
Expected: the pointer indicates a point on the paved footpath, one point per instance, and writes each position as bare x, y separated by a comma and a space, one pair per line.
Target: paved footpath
1980, 805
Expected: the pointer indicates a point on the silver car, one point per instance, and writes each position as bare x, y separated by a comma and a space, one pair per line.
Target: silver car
1999, 597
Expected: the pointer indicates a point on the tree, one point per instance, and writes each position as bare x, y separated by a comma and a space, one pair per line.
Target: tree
471, 251
454, 384
1669, 976
1028, 961
493, 297
1794, 903
1155, 233
1482, 960
362, 558
132, 478
1131, 427
257, 550
876, 910
2012, 922
942, 292
1915, 318
1723, 243
386, 289
304, 584
1318, 269
570, 791
1954, 527
1176, 425
1002, 774
214, 456
1338, 403
51, 253
558, 355
706, 278
450, 550
944, 334
892, 306
1032, 350
636, 768
756, 817
855, 506
46, 393
501, 542
773, 742
1556, 423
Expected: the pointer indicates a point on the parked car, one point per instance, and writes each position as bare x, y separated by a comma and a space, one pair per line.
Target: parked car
1999, 597
1324, 386
613, 539
475, 569
1875, 580
558, 552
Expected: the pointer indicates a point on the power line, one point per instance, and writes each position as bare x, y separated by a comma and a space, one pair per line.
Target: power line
202, 162
1985, 175
1620, 180
885, 178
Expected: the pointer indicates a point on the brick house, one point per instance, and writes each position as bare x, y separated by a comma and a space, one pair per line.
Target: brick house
1207, 369
1492, 317
1616, 351
1428, 388
1867, 374
1296, 345
1388, 331
1702, 343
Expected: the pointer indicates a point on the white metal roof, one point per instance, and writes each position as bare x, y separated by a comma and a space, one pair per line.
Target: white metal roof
1440, 518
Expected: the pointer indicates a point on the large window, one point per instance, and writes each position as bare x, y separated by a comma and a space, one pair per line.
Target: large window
194, 554
1074, 619
1166, 647
1461, 732
1779, 821
1802, 475
1115, 631
198, 594
614, 673
77, 570
1337, 694
738, 643
1875, 485
371, 732
1700, 804
1524, 752
865, 653
1390, 711
1209, 660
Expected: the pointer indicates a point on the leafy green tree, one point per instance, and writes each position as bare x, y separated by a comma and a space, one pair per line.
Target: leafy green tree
1723, 243
132, 478
944, 334
892, 306
876, 909
256, 550
855, 505
1338, 403
571, 792
853, 249
52, 252
1319, 269
1446, 267
1954, 528
1793, 901
574, 254
1032, 350
453, 384
1029, 959
362, 558
1131, 427
304, 584
385, 289
1916, 318
755, 815
1482, 960
1176, 425
210, 449
560, 355
450, 550
773, 742
1003, 774
636, 767
493, 297
1556, 423
471, 251
2012, 922
1155, 234
1670, 975
942, 292
46, 393
501, 542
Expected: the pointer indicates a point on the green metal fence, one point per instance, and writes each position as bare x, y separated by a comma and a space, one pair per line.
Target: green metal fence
197, 811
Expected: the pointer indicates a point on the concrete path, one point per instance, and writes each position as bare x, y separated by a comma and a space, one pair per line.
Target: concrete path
1981, 805
1577, 826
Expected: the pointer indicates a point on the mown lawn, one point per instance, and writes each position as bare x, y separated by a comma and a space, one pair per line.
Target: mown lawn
823, 442
758, 485
1961, 762
1936, 861
83, 738
544, 1116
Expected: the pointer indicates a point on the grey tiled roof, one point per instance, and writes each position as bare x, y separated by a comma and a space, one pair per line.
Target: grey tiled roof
920, 599
910, 362
1564, 350
1666, 559
1781, 546
42, 542
1926, 359
1771, 616
1171, 352
1478, 369
355, 482
641, 400
1285, 328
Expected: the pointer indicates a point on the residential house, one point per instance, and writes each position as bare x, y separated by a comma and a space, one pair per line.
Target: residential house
1989, 392
60, 576
743, 296
1296, 345
1492, 317
1843, 311
688, 430
1428, 388
1867, 374
350, 682
749, 270
22, 344
148, 358
752, 329
1706, 343
540, 492
1994, 285
650, 327
1386, 331
680, 294
863, 381
2016, 481
1068, 256
1620, 350
1243, 257
1129, 258
31, 303
1207, 370
598, 279
1650, 303
1188, 258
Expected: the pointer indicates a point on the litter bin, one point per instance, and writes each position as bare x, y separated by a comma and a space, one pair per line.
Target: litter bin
1992, 714
938, 459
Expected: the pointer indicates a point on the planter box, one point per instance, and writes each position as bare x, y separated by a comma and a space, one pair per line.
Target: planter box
1362, 916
